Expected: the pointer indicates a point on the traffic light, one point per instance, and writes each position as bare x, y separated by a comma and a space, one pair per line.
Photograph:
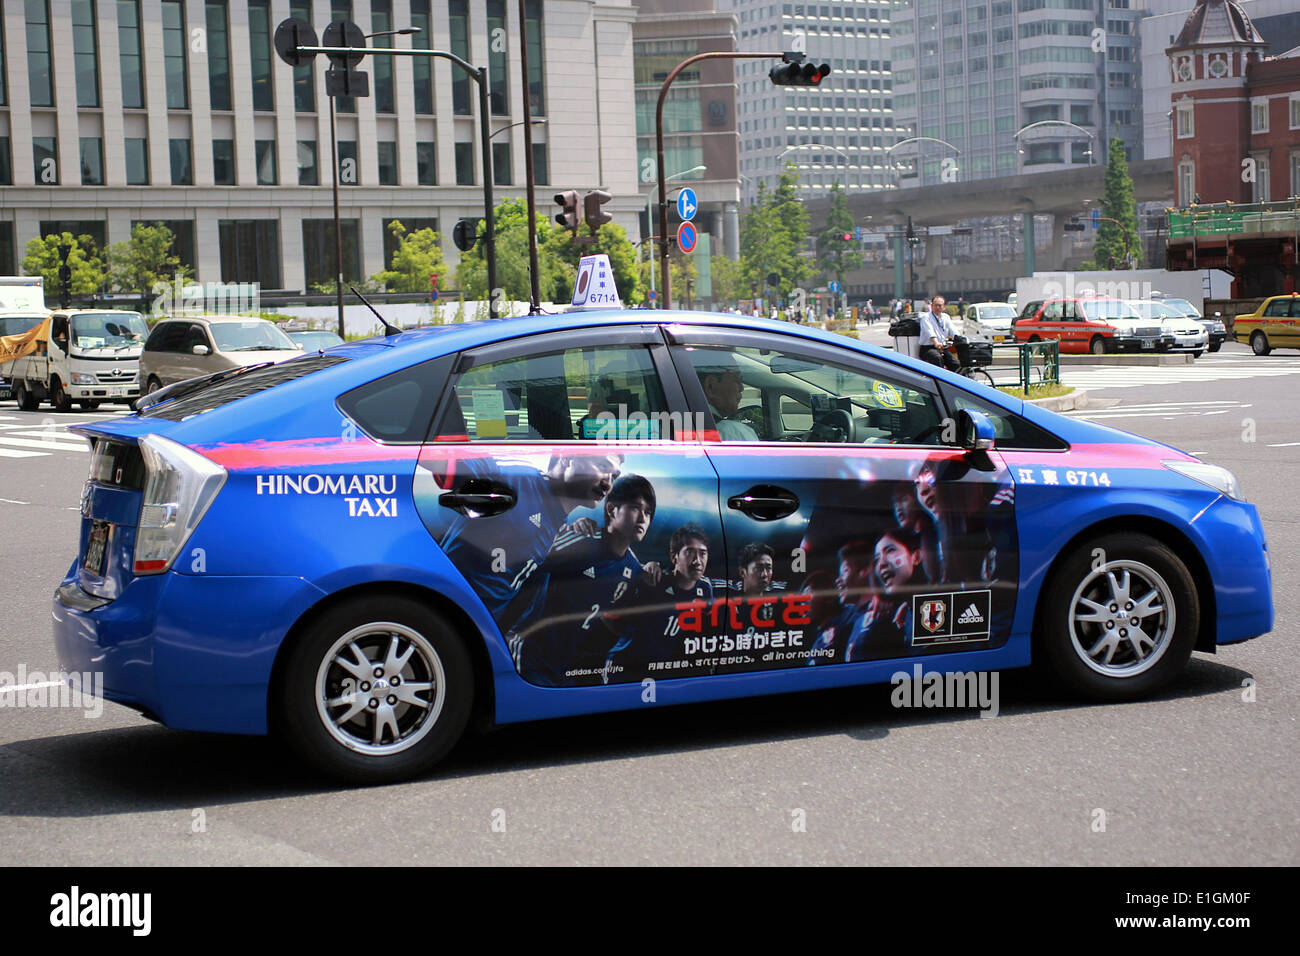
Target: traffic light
591, 211
465, 234
912, 237
847, 237
799, 74
569, 218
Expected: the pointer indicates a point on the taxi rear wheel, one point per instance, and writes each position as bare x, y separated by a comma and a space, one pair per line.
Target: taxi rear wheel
1259, 343
1120, 618
376, 690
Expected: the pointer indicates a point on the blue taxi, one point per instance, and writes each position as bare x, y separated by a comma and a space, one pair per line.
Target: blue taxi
363, 548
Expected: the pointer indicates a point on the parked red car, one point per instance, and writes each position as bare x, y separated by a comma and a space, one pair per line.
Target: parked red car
1091, 324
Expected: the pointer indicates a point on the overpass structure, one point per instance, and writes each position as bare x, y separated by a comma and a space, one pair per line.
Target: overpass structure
1061, 194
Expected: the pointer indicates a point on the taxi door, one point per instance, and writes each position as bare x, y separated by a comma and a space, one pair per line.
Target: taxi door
853, 533
560, 475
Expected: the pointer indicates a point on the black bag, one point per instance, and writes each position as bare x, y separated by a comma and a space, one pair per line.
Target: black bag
900, 328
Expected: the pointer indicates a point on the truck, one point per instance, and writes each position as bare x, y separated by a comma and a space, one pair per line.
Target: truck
86, 356
22, 308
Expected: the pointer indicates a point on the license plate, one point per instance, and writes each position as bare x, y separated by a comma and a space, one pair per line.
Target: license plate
1148, 343
6, 393
97, 547
115, 390
998, 338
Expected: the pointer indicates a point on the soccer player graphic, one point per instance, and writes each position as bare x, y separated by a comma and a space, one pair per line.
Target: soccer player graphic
652, 631
497, 552
561, 636
885, 630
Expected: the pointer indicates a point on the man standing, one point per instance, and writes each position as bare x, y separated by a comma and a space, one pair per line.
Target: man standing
936, 336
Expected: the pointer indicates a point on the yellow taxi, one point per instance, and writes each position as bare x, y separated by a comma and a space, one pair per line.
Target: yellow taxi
1274, 325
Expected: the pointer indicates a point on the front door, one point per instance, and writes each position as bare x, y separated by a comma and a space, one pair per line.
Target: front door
853, 533
564, 481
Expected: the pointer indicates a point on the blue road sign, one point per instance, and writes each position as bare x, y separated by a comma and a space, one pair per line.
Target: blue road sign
687, 237
834, 286
1096, 218
858, 233
433, 295
654, 294
687, 204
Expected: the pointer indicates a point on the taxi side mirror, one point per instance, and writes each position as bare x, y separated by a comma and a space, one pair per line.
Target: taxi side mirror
975, 430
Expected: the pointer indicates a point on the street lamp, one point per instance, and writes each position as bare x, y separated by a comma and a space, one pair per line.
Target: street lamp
534, 122
848, 160
898, 167
1092, 137
649, 216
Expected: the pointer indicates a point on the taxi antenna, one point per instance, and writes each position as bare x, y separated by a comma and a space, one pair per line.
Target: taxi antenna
389, 329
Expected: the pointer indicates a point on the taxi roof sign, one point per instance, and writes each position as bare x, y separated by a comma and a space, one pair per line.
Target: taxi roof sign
595, 288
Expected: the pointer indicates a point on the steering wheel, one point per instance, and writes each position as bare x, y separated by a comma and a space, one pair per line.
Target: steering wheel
754, 417
839, 420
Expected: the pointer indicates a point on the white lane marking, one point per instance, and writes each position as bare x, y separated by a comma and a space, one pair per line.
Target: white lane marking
11, 453
48, 445
1285, 444
14, 501
25, 687
49, 435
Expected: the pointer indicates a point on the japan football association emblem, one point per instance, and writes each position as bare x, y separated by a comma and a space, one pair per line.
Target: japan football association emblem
933, 614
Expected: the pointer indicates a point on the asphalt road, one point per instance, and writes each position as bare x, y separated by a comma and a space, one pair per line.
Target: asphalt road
1198, 776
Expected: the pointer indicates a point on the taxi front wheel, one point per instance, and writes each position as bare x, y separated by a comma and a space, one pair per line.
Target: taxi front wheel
1120, 618
376, 690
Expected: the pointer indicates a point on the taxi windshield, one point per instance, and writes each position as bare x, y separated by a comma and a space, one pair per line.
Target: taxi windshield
1156, 310
98, 330
996, 311
254, 335
1108, 309
1183, 307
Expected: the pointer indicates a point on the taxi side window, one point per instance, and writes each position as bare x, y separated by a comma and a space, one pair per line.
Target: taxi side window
609, 393
1010, 431
1053, 310
1280, 308
764, 394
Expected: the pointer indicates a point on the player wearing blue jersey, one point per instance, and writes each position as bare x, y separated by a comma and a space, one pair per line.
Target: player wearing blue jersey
561, 637
497, 552
652, 631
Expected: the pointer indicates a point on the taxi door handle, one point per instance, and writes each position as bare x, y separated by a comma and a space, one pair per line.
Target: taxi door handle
479, 498
765, 503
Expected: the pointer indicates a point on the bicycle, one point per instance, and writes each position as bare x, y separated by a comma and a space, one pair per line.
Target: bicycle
970, 361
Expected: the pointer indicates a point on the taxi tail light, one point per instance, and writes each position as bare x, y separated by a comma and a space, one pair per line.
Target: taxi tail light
179, 486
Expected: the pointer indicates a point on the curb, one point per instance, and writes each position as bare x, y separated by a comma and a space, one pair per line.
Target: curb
1062, 403
1130, 358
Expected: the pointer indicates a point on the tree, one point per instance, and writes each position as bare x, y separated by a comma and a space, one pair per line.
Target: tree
417, 256
835, 254
145, 259
772, 234
610, 239
680, 268
1116, 243
42, 259
728, 280
555, 273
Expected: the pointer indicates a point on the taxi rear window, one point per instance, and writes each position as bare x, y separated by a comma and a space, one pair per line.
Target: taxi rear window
240, 386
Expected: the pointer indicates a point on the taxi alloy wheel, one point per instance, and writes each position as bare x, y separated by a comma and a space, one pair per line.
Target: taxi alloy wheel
377, 690
1121, 618
1097, 346
1259, 343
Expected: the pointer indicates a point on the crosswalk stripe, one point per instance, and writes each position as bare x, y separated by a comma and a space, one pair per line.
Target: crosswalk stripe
11, 453
47, 436
47, 445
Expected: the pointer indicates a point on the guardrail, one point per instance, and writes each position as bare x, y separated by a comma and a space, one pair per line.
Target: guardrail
1222, 219
1037, 363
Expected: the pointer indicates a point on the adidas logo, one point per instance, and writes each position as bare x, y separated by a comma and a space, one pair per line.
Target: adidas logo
536, 519
971, 616
591, 573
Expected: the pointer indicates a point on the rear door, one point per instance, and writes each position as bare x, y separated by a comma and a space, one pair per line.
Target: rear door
852, 532
560, 474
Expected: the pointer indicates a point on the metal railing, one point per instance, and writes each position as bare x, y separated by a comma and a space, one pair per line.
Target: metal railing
1227, 218
1036, 363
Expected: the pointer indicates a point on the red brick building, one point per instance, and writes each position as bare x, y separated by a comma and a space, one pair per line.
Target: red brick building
1236, 126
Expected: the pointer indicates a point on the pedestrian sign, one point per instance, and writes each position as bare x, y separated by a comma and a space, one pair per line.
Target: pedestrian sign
687, 204
687, 237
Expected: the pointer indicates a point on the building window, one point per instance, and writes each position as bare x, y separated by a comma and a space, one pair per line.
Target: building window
1186, 122
1259, 116
6, 163
501, 164
541, 164
182, 231
94, 230
3, 100
137, 162
307, 168
182, 168
1186, 183
85, 52
128, 44
460, 46
342, 10
218, 55
1294, 105
498, 95
381, 19
45, 154
266, 168
426, 163
92, 161
40, 83
533, 31
304, 77
8, 254
422, 66
412, 225
1295, 170
349, 170
387, 163
464, 164
319, 259
223, 162
250, 251
173, 17
1263, 169
259, 41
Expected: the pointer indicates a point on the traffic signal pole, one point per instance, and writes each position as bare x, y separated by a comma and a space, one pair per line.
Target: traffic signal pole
534, 288
665, 243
